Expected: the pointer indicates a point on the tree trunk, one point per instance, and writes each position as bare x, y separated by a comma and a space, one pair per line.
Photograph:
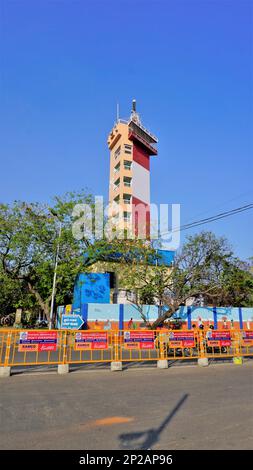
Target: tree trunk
43, 305
164, 316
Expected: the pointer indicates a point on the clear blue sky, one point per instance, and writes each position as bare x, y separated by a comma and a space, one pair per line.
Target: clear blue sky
189, 64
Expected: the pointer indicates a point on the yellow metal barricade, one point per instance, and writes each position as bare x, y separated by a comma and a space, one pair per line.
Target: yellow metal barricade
32, 347
45, 347
179, 344
91, 346
246, 342
219, 343
3, 347
138, 345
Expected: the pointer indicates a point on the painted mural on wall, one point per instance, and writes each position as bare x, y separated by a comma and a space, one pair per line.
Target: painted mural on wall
120, 315
91, 288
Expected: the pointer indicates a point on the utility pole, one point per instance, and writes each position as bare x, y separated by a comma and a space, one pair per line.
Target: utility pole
55, 273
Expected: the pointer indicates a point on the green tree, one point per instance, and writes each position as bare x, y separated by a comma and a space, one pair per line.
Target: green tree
205, 268
238, 285
28, 241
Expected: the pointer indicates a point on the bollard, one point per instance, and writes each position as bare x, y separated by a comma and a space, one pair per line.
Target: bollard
162, 364
203, 361
5, 371
238, 361
116, 365
63, 369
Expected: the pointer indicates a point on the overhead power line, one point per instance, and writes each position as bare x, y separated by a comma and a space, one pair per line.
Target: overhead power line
219, 216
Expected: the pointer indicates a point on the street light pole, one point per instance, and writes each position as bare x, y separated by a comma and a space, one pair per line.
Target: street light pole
55, 274
158, 274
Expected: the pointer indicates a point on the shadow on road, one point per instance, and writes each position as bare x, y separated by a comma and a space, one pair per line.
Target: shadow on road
147, 439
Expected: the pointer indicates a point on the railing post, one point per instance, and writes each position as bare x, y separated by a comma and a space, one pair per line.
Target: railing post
116, 364
8, 350
162, 362
202, 360
63, 368
237, 359
5, 371
65, 347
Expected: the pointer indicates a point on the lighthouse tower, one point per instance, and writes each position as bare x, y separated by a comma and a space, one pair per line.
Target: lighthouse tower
131, 146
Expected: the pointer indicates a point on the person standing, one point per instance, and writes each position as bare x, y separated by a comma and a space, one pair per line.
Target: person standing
200, 323
97, 325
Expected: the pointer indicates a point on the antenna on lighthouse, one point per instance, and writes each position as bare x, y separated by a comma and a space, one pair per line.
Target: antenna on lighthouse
134, 115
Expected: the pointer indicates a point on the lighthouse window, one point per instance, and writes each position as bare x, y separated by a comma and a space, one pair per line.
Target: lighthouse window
127, 216
117, 168
117, 153
127, 198
127, 181
116, 184
128, 148
127, 164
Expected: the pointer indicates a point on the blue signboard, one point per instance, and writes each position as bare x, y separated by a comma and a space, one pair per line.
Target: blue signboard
71, 322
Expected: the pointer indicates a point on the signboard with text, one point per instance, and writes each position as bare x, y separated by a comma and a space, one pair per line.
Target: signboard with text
86, 340
139, 339
247, 338
181, 339
30, 341
218, 338
71, 322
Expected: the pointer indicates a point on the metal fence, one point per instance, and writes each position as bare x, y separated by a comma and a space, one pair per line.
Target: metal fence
38, 347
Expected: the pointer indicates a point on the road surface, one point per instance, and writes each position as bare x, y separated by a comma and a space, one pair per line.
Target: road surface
186, 407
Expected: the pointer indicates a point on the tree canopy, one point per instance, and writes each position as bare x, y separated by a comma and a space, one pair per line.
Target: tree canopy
29, 234
204, 270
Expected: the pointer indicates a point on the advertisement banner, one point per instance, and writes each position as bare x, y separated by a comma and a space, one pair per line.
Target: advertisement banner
218, 338
85, 340
139, 339
30, 341
181, 339
247, 338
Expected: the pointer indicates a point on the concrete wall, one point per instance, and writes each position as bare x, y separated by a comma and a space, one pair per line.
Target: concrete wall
120, 314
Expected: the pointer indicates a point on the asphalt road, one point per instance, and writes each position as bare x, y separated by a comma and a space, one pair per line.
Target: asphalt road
184, 407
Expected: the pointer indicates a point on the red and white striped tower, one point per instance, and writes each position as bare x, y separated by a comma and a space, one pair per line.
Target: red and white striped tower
131, 146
